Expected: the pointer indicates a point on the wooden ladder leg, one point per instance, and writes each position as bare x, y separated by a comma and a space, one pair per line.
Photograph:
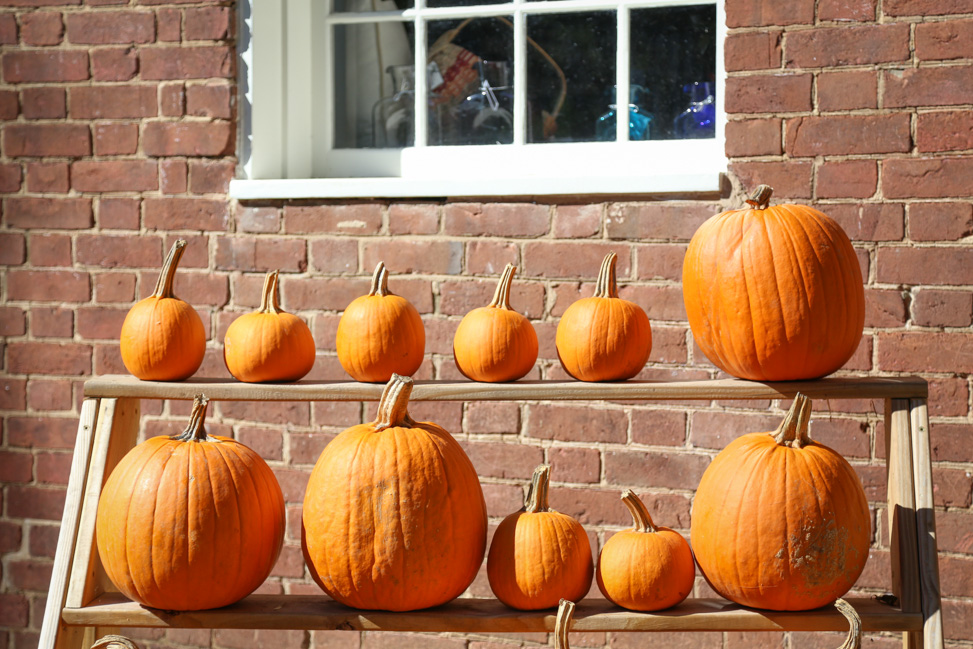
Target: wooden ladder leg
932, 613
902, 512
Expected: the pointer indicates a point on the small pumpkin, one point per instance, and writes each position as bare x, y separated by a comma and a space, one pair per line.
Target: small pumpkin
268, 344
539, 555
780, 521
603, 337
394, 516
380, 334
774, 293
495, 343
162, 337
646, 568
190, 522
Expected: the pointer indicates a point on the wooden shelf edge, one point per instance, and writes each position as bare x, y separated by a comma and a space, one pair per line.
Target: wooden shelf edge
223, 390
487, 616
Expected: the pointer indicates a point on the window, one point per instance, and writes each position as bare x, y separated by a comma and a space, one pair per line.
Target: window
519, 97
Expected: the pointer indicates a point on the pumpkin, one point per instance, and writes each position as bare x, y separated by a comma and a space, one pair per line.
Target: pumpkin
394, 517
268, 344
774, 293
162, 336
495, 343
539, 555
779, 521
646, 568
603, 337
380, 334
190, 522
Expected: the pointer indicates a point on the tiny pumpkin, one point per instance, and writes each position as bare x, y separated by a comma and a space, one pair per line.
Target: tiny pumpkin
604, 337
268, 344
495, 343
162, 337
380, 334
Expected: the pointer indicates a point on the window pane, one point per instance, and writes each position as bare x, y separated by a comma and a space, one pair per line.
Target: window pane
471, 80
673, 63
372, 5
570, 75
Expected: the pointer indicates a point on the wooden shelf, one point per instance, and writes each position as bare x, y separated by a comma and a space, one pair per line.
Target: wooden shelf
484, 616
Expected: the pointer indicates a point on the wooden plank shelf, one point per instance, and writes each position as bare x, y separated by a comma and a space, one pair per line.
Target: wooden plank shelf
485, 616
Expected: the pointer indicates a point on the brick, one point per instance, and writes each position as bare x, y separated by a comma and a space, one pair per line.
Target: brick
714, 430
500, 460
578, 221
847, 179
49, 249
9, 104
207, 23
847, 10
209, 100
651, 469
659, 427
202, 62
285, 412
188, 138
168, 25
769, 93
17, 466
847, 90
884, 308
13, 394
660, 261
172, 97
332, 294
41, 432
577, 424
43, 103
8, 29
46, 177
825, 47
925, 352
174, 176
53, 468
119, 213
211, 176
185, 214
11, 537
113, 102
13, 322
263, 254
114, 176
492, 418
664, 303
496, 219
413, 218
948, 397
13, 250
116, 139
14, 611
49, 358
114, 64
940, 221
933, 308
123, 250
848, 134
100, 323
575, 464
752, 51
115, 287
927, 177
204, 288
10, 175
50, 395
558, 259
106, 27
48, 286
39, 66
41, 28
42, 140
35, 502
944, 131
939, 41
258, 219
490, 257
928, 86
355, 219
61, 213
791, 179
926, 7
334, 256
459, 298
414, 255
753, 137
754, 13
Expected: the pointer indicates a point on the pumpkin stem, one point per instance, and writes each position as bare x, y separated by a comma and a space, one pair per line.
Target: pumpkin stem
854, 639
606, 286
393, 407
380, 281
640, 514
196, 431
270, 299
114, 642
163, 286
760, 198
793, 430
540, 483
562, 622
501, 297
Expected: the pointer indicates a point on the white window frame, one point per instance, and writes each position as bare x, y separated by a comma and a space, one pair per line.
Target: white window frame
286, 148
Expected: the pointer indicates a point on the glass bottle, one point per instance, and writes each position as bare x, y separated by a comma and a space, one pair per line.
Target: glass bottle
486, 115
699, 120
394, 117
639, 119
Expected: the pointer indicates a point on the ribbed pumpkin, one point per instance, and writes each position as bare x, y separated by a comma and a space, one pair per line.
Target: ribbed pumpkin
162, 336
646, 568
190, 522
603, 337
394, 516
268, 344
495, 343
774, 293
779, 521
380, 334
539, 555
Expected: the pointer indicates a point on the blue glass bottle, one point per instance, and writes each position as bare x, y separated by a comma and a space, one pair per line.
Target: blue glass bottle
699, 120
639, 119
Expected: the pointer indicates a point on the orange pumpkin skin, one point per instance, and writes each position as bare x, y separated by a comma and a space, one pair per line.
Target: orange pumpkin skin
779, 521
268, 344
394, 517
774, 293
538, 555
190, 522
162, 337
495, 343
380, 334
604, 338
646, 568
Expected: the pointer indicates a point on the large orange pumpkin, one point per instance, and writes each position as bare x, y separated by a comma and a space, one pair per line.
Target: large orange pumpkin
774, 293
380, 334
779, 521
190, 522
162, 336
394, 516
603, 337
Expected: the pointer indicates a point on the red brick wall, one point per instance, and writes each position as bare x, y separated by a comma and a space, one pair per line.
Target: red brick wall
118, 137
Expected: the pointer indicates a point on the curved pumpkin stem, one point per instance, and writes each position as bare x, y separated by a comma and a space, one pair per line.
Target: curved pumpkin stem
640, 514
163, 286
760, 198
196, 431
562, 622
270, 298
607, 286
501, 297
393, 406
854, 639
793, 430
540, 484
114, 642
380, 281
